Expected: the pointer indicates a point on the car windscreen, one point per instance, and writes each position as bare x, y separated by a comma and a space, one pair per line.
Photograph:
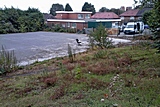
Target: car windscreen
130, 26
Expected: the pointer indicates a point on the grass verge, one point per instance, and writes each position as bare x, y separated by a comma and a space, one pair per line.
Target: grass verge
121, 77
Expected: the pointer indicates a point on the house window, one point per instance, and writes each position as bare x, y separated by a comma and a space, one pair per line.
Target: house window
87, 16
73, 25
131, 18
139, 18
122, 18
80, 16
115, 25
68, 24
63, 25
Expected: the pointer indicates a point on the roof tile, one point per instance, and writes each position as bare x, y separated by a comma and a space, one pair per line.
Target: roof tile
132, 12
105, 15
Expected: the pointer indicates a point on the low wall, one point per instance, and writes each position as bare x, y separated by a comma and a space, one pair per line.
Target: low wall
110, 31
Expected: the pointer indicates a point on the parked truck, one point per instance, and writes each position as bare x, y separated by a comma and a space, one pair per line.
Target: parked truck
134, 27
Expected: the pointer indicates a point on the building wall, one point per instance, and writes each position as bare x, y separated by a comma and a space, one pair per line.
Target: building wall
79, 26
70, 16
82, 26
127, 19
67, 16
73, 16
50, 24
62, 16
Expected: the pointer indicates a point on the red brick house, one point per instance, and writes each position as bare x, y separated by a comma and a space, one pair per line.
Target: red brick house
70, 19
81, 20
133, 14
129, 15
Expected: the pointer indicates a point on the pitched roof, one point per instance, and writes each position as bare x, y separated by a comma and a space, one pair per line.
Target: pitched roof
132, 12
142, 11
105, 15
48, 16
87, 12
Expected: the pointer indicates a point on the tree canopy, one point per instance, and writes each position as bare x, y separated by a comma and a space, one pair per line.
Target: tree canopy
145, 17
15, 20
116, 11
153, 20
145, 3
103, 9
88, 7
56, 7
68, 7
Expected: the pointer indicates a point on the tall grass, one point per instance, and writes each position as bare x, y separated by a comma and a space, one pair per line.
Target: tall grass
70, 53
8, 61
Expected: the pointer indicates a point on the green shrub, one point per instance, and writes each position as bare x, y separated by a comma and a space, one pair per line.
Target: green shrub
99, 37
8, 61
57, 28
62, 30
100, 54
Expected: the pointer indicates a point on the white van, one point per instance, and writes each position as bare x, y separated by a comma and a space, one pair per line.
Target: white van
134, 27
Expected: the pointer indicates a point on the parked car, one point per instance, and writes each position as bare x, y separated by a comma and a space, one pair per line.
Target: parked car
130, 28
134, 27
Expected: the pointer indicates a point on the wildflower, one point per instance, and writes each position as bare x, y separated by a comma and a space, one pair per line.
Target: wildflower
106, 95
115, 105
102, 100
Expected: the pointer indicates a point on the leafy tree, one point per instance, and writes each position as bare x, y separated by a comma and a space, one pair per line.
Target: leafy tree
88, 7
146, 3
154, 23
103, 9
116, 11
32, 10
12, 16
153, 20
22, 24
56, 7
68, 7
145, 17
15, 20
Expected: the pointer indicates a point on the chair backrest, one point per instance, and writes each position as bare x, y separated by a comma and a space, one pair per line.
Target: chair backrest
78, 41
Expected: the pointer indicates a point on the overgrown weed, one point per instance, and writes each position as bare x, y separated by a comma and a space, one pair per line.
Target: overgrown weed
123, 76
8, 61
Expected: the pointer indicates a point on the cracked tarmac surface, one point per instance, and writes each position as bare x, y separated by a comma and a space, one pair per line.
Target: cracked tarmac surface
39, 46
33, 46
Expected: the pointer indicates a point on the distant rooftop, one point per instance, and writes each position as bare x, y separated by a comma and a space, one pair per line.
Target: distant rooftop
48, 16
105, 15
142, 11
132, 12
73, 12
135, 12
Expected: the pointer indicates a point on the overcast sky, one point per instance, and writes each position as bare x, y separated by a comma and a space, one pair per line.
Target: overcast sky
45, 5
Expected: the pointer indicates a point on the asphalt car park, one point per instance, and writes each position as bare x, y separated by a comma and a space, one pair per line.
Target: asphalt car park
39, 46
32, 46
